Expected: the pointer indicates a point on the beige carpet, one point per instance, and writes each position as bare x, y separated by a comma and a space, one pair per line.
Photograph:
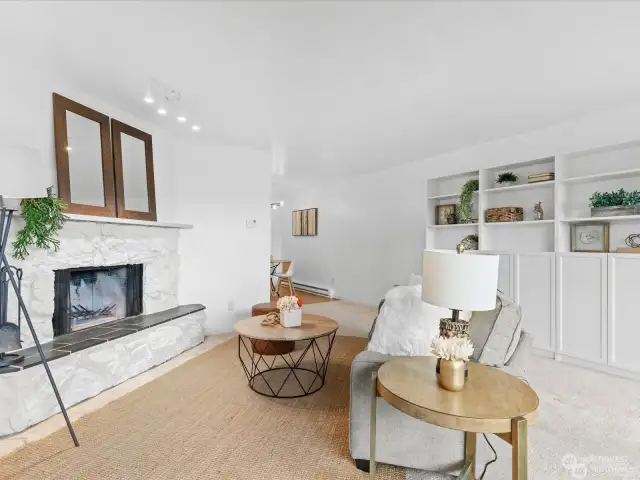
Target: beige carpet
201, 421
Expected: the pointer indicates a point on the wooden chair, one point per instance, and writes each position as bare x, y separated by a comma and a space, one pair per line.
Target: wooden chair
286, 277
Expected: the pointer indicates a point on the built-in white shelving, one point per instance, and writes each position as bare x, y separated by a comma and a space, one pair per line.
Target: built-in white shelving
524, 186
565, 200
604, 176
579, 307
520, 224
447, 196
619, 218
454, 225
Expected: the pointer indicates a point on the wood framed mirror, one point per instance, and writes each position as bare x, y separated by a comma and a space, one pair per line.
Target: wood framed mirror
84, 161
133, 164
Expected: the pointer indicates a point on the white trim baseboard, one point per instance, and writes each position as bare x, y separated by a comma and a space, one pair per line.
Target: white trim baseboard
618, 372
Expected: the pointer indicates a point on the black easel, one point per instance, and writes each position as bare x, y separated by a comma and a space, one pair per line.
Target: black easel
6, 215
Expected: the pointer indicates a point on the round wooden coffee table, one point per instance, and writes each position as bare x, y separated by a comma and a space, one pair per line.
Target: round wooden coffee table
492, 401
286, 375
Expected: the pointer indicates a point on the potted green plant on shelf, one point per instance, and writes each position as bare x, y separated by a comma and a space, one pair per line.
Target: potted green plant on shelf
506, 179
615, 203
43, 219
466, 197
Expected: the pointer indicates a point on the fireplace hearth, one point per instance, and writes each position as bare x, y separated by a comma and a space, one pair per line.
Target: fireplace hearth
86, 297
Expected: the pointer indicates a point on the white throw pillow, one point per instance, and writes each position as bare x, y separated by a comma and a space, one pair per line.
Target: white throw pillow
406, 325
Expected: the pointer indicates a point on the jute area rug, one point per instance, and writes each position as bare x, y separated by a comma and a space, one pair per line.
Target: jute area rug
201, 421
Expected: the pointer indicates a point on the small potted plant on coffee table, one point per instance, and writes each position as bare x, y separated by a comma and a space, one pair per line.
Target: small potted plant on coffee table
290, 311
506, 179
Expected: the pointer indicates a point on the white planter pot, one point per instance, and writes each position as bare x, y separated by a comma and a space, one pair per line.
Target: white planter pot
291, 319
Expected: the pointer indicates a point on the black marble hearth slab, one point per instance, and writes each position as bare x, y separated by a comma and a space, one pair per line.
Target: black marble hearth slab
80, 335
10, 369
34, 360
117, 333
74, 342
89, 342
46, 348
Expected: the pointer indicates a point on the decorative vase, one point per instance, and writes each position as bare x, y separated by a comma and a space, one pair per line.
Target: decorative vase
508, 183
452, 375
292, 318
470, 242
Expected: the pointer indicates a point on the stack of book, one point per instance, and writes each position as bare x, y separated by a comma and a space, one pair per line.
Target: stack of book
541, 177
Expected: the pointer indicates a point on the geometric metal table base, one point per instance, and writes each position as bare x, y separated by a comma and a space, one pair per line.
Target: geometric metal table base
283, 375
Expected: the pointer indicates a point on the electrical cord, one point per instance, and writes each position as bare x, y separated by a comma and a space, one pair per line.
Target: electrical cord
495, 457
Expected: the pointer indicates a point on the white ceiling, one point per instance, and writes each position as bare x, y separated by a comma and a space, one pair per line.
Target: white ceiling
336, 88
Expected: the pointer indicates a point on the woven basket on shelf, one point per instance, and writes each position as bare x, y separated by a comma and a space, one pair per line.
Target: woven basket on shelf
505, 214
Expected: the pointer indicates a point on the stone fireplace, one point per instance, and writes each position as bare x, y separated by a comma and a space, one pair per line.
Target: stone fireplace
90, 296
109, 296
96, 245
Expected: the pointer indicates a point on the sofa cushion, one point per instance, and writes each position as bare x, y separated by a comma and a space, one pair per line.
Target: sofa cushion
406, 325
480, 327
495, 333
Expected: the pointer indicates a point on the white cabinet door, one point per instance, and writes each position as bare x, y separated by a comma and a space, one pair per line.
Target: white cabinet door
505, 274
535, 292
624, 311
581, 299
505, 269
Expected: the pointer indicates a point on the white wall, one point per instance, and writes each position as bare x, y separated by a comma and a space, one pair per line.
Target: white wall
26, 117
371, 228
223, 261
214, 187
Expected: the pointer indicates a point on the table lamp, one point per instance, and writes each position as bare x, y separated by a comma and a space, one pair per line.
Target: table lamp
459, 282
24, 176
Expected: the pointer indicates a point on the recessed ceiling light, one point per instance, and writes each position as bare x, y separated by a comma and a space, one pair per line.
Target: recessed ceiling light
148, 99
181, 119
162, 111
195, 128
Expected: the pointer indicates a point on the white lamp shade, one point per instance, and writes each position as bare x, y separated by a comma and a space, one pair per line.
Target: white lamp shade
22, 172
466, 281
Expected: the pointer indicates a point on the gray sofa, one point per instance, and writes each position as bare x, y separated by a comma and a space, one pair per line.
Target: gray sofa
404, 441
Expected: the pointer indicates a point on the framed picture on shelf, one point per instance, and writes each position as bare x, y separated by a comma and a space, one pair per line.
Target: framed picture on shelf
446, 214
590, 237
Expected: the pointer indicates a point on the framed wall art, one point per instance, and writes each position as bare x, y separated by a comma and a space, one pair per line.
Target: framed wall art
304, 222
590, 237
446, 214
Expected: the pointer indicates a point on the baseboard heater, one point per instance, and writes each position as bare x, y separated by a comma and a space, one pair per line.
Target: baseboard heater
324, 292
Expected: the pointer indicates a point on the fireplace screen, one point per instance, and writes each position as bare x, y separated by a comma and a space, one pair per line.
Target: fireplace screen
85, 297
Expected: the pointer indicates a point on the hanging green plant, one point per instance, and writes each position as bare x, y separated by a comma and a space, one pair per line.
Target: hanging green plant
43, 219
466, 197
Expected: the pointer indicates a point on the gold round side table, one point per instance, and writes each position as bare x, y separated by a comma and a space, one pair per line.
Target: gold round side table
492, 401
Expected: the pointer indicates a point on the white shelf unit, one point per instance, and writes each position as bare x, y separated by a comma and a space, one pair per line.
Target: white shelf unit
440, 191
524, 186
455, 225
579, 306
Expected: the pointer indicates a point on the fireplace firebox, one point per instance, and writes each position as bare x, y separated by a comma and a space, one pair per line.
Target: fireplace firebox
85, 297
